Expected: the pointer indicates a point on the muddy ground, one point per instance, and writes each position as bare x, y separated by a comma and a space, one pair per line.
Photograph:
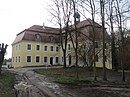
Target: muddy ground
30, 84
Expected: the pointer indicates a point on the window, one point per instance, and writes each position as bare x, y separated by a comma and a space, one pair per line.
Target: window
105, 58
45, 48
16, 59
105, 45
16, 47
29, 47
29, 58
51, 38
51, 48
96, 44
57, 59
62, 59
19, 58
45, 59
96, 58
38, 37
13, 59
68, 46
57, 49
37, 58
37, 47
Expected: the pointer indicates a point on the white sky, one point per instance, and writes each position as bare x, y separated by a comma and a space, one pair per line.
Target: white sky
17, 15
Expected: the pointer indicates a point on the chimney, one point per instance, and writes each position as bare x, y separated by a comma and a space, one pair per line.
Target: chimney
43, 26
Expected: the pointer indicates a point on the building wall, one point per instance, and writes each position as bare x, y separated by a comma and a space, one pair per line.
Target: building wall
20, 53
99, 63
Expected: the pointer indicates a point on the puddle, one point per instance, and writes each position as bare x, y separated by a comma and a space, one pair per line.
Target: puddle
52, 86
22, 86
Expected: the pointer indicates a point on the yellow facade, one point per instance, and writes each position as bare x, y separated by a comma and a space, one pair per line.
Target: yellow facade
20, 53
24, 52
99, 63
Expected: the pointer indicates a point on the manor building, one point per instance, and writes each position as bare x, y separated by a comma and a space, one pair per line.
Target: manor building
40, 45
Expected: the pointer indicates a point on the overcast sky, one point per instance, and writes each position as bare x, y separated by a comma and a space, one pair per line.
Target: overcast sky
17, 15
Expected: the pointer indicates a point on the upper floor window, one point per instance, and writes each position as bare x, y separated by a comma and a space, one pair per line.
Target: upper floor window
37, 47
16, 47
45, 48
29, 47
105, 45
37, 58
29, 58
96, 44
105, 58
57, 49
68, 46
19, 46
62, 59
51, 48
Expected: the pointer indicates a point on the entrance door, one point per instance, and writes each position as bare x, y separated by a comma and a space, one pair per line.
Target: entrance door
69, 59
51, 60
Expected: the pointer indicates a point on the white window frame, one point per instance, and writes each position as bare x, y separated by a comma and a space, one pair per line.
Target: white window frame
27, 58
39, 47
46, 60
27, 47
36, 58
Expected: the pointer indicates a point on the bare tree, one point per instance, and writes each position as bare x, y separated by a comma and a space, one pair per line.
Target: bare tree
74, 39
89, 6
110, 14
102, 8
61, 12
2, 54
120, 19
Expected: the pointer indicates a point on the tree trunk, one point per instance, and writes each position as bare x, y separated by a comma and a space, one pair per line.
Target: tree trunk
102, 3
64, 52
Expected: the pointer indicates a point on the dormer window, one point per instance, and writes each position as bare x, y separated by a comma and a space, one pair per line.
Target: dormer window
51, 38
37, 37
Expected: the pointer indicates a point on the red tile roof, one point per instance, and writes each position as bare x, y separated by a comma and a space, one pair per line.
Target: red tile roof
49, 34
45, 34
86, 31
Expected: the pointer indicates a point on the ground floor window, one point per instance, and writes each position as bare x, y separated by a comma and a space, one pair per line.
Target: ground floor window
13, 59
29, 58
96, 58
19, 58
45, 59
57, 59
16, 59
62, 59
37, 58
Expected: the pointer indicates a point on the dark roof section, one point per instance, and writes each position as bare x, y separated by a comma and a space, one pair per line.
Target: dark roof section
86, 31
46, 34
45, 29
49, 34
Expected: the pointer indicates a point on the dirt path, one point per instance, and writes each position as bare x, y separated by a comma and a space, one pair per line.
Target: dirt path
31, 84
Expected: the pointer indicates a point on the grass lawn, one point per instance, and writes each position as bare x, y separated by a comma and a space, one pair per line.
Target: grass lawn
84, 86
6, 84
68, 76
